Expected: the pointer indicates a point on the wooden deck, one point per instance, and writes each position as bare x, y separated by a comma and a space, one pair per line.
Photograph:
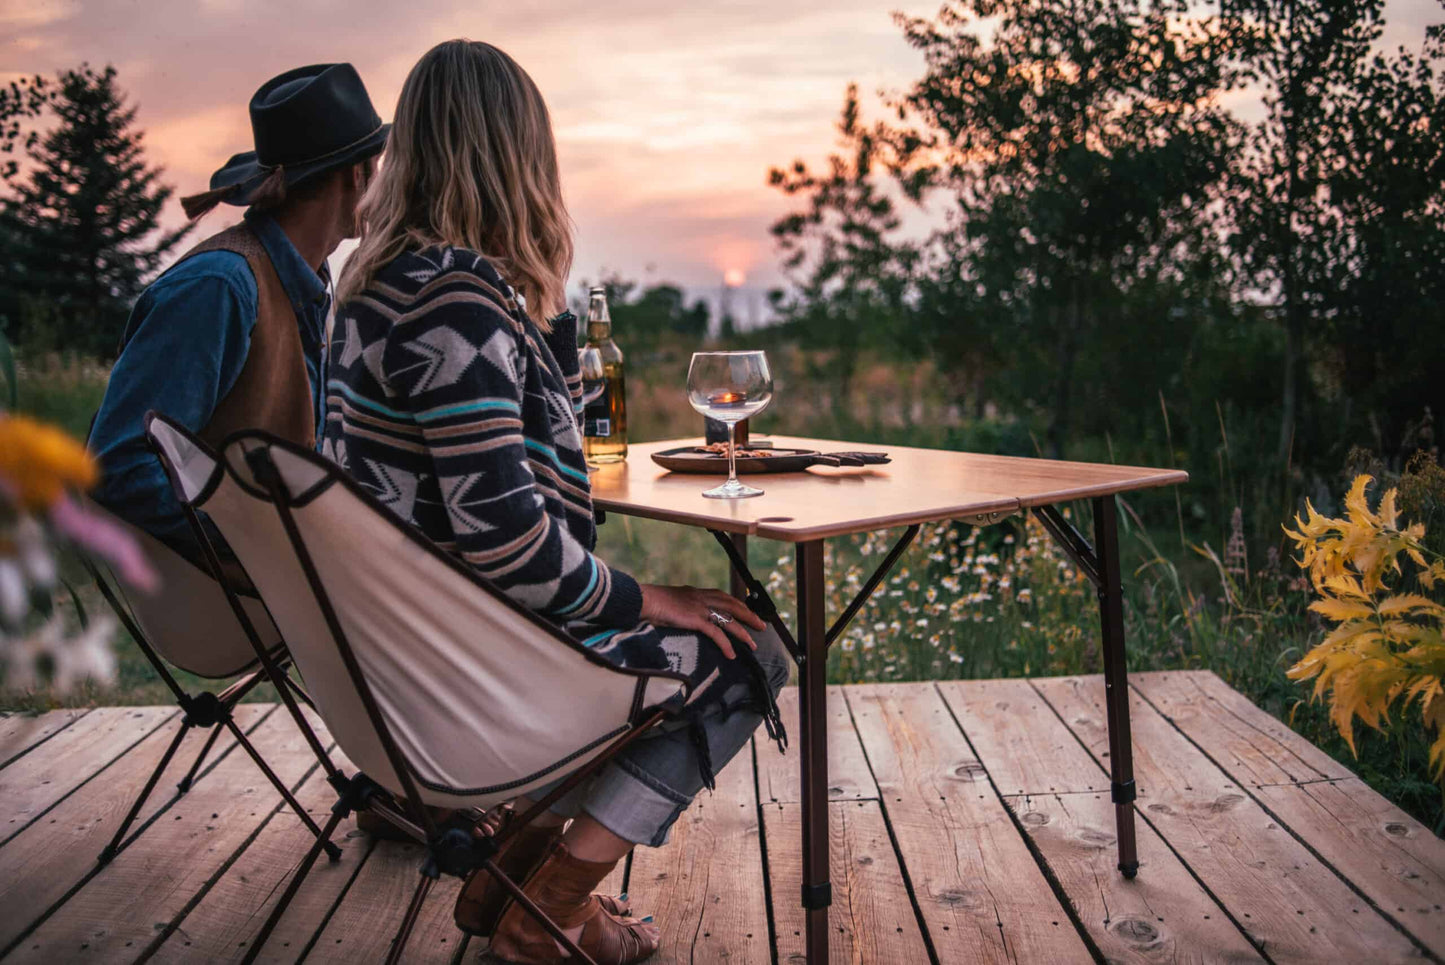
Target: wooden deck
971, 822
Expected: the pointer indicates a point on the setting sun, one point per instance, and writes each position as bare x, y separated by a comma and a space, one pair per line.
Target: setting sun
734, 277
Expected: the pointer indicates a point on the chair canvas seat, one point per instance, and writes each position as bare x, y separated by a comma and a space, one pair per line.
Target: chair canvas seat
189, 621
484, 700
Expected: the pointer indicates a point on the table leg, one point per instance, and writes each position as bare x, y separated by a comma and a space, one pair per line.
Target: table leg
737, 586
813, 736
1116, 681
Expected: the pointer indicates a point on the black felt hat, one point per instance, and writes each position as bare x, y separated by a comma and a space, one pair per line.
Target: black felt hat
304, 123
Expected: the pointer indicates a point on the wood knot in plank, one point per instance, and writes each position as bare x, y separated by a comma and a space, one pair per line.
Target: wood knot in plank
1095, 838
1135, 931
1034, 819
957, 898
968, 771
1224, 803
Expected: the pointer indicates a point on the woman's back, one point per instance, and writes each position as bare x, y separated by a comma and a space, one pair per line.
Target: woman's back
454, 409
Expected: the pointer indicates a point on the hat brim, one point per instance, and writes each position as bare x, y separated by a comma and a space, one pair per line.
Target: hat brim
246, 173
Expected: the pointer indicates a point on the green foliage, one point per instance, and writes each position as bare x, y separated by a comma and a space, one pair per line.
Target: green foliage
643, 318
80, 224
851, 276
7, 372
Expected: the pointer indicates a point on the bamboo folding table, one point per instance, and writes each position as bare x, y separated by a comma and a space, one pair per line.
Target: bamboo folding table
919, 486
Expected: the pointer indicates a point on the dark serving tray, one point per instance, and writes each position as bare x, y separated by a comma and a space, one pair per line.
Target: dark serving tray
695, 459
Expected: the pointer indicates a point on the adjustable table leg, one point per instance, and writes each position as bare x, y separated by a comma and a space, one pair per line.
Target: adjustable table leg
813, 738
1116, 679
737, 586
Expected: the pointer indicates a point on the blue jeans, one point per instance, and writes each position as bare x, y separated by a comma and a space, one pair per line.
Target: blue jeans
640, 793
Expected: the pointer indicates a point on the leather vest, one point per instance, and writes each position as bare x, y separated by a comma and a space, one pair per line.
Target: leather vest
273, 392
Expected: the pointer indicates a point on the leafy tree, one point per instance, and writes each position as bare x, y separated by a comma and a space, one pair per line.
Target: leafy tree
852, 276
1383, 354
1080, 143
655, 314
80, 231
1310, 57
20, 104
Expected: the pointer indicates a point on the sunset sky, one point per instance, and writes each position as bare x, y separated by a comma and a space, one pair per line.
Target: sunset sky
667, 114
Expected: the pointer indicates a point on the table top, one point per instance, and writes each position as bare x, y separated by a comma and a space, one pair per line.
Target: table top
918, 486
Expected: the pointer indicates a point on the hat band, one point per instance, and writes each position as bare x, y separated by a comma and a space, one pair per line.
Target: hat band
323, 157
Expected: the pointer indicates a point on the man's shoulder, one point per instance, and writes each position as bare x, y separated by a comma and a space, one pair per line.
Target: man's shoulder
217, 266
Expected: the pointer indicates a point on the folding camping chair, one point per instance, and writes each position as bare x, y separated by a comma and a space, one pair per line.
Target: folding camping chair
440, 688
191, 624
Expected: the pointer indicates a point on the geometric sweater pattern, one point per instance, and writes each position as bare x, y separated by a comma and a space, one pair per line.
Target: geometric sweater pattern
450, 405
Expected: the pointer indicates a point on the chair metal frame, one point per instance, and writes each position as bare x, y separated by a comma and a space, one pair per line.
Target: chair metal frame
456, 847
205, 708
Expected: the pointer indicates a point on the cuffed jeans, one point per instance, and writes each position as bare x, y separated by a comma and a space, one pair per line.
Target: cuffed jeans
640, 793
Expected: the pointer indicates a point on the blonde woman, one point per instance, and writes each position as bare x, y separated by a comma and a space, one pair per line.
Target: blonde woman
454, 399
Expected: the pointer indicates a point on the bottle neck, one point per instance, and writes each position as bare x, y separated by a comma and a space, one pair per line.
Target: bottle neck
599, 331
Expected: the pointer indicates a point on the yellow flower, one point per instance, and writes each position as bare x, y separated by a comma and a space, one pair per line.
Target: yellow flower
39, 462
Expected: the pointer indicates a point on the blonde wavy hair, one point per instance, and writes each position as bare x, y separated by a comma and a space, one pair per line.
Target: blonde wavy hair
471, 162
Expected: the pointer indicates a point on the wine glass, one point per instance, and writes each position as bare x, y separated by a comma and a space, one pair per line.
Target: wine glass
730, 387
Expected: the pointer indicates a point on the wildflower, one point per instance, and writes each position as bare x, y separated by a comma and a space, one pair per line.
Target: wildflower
39, 462
954, 657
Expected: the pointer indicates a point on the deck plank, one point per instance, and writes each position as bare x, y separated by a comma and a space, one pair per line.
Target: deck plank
1163, 915
36, 781
365, 923
705, 886
1254, 843
982, 895
1020, 740
1290, 903
1253, 746
222, 926
150, 883
20, 733
871, 918
848, 776
1397, 862
54, 854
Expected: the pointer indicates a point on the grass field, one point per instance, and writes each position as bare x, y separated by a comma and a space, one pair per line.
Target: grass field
964, 602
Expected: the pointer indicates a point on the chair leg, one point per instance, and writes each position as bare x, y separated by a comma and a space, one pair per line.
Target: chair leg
301, 872
190, 778
530, 907
408, 922
333, 852
114, 847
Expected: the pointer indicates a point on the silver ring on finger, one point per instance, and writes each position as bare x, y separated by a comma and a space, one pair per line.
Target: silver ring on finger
719, 617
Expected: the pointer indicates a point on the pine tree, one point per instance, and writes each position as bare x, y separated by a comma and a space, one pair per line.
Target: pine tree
80, 231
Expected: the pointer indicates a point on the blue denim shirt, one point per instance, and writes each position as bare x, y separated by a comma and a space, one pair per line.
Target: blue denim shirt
183, 348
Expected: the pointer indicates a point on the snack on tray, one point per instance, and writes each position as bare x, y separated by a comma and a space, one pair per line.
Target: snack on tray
721, 449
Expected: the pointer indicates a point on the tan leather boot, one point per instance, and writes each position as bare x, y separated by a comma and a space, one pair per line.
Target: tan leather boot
482, 899
562, 888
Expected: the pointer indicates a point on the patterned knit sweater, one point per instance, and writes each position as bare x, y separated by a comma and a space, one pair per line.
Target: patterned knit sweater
454, 409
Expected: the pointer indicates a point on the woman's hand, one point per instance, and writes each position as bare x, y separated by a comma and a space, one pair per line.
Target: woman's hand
690, 608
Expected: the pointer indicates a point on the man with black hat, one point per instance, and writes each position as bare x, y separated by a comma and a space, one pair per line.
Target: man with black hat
233, 335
